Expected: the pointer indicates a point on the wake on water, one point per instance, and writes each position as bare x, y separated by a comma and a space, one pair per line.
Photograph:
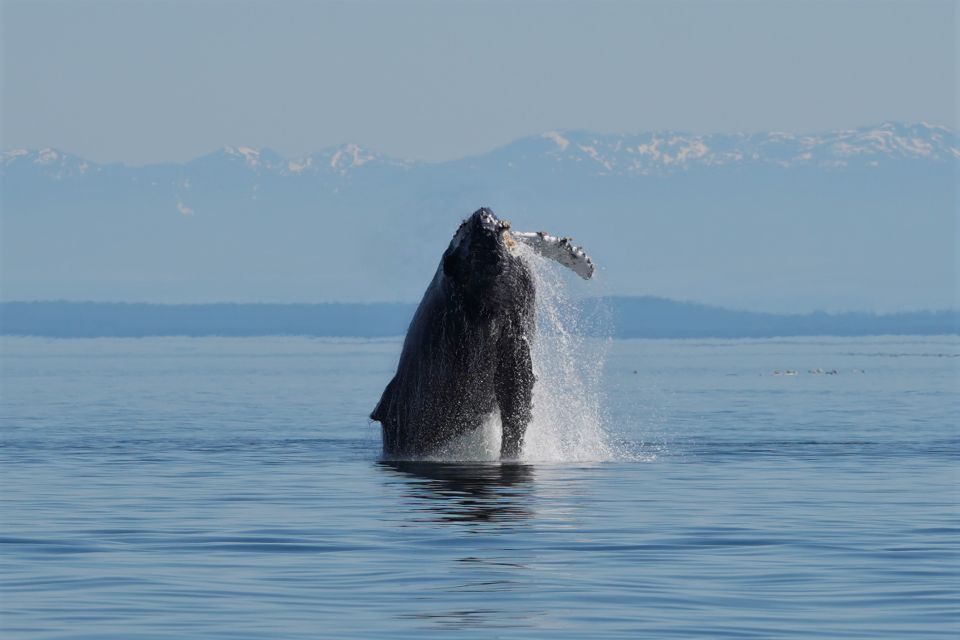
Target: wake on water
568, 422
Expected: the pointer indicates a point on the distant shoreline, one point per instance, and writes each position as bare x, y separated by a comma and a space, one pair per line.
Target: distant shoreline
621, 317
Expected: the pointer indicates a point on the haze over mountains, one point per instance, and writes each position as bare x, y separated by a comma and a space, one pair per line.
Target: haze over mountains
634, 317
856, 219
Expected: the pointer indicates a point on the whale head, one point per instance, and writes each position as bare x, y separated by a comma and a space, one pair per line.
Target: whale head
479, 250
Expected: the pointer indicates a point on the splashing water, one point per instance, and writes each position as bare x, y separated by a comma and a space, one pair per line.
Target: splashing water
568, 419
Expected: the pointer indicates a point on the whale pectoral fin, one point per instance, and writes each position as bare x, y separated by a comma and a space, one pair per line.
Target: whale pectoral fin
561, 250
385, 413
514, 389
379, 412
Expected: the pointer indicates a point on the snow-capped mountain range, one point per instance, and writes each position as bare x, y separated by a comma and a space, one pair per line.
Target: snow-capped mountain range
670, 151
653, 153
340, 160
863, 218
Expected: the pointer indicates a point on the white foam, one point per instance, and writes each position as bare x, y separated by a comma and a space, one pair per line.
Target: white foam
568, 422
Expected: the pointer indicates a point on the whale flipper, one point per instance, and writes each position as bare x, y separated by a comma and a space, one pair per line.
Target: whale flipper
561, 250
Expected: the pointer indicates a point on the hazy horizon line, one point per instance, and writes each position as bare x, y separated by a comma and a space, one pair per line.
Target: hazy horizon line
677, 301
602, 317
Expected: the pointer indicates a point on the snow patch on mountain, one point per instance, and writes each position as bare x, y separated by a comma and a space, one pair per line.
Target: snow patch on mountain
250, 155
558, 139
53, 163
349, 156
299, 166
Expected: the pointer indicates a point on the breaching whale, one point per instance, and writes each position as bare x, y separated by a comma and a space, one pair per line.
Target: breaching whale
467, 352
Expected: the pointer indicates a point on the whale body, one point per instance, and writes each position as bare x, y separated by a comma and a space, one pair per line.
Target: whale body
467, 352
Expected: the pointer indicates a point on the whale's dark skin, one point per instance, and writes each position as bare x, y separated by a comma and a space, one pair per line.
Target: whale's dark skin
467, 351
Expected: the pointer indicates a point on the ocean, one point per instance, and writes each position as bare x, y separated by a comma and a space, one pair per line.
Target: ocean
234, 488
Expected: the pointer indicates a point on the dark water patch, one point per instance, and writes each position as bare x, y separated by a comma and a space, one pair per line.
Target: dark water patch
900, 355
270, 547
45, 546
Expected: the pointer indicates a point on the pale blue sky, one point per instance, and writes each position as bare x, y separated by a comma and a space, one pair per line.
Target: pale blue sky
168, 81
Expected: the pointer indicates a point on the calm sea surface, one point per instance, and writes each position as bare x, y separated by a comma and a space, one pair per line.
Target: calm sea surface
232, 488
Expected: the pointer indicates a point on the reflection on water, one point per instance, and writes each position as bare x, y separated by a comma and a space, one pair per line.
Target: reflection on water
489, 499
469, 492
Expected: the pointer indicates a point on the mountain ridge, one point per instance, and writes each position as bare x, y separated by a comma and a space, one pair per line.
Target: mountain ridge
632, 153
